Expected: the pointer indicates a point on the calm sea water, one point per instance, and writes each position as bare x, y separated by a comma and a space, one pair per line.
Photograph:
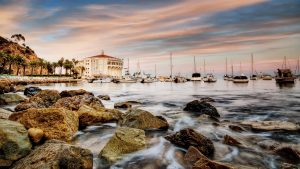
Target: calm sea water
257, 100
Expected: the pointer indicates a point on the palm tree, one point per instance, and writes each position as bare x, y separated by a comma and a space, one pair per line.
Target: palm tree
49, 67
61, 64
10, 61
81, 68
54, 66
32, 64
19, 60
24, 65
68, 65
41, 63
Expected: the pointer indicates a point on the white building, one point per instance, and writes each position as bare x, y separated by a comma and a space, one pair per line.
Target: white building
101, 66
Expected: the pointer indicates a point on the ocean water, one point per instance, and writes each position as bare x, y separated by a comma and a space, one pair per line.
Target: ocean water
257, 100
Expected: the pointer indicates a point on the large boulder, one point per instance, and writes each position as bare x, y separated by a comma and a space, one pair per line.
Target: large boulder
272, 125
194, 159
125, 140
202, 107
289, 153
31, 91
4, 114
71, 93
75, 102
122, 105
12, 98
88, 115
189, 137
141, 119
56, 154
56, 123
42, 99
14, 142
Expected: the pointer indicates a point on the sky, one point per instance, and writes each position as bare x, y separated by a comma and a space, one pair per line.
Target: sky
148, 31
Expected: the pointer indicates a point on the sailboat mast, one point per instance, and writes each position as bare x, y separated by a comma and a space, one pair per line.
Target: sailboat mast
195, 65
171, 64
251, 64
240, 68
155, 69
284, 62
204, 67
226, 66
128, 65
298, 73
231, 70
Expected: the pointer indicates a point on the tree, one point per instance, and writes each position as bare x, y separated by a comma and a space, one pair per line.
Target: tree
41, 64
61, 64
3, 60
33, 64
49, 67
18, 37
19, 61
10, 61
24, 65
54, 66
75, 61
81, 68
68, 65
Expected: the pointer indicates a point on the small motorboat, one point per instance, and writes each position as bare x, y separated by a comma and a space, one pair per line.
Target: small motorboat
209, 78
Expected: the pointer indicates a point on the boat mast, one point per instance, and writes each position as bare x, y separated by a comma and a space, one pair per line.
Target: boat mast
204, 67
298, 73
195, 65
284, 62
226, 65
240, 68
231, 69
251, 64
155, 70
171, 65
128, 66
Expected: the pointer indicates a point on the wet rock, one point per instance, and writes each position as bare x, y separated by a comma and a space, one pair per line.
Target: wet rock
207, 118
125, 140
194, 159
88, 115
268, 144
236, 128
57, 123
31, 91
231, 141
207, 99
14, 142
201, 107
189, 137
141, 119
272, 125
288, 166
75, 102
10, 98
104, 97
35, 134
71, 93
20, 88
56, 154
289, 153
42, 99
4, 114
122, 105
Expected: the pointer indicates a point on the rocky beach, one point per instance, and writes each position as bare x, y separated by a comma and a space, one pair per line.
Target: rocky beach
159, 125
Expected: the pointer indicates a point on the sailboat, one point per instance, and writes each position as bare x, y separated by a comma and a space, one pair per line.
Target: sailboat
253, 76
209, 77
127, 77
284, 75
226, 77
241, 78
170, 79
196, 76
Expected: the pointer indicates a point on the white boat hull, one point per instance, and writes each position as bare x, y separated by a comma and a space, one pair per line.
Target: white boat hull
240, 80
196, 79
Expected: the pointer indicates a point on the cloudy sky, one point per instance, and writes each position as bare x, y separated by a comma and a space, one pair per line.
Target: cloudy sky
148, 30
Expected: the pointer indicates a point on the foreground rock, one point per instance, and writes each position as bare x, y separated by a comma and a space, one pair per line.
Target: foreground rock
42, 99
236, 128
4, 114
14, 142
202, 107
122, 105
141, 119
289, 153
31, 91
56, 123
125, 140
10, 98
189, 137
272, 125
35, 134
75, 102
88, 115
194, 159
104, 97
71, 93
56, 154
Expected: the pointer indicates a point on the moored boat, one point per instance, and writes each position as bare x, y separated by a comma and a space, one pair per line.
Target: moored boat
209, 78
240, 79
284, 76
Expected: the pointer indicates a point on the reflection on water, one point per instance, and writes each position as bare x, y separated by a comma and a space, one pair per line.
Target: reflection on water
257, 100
